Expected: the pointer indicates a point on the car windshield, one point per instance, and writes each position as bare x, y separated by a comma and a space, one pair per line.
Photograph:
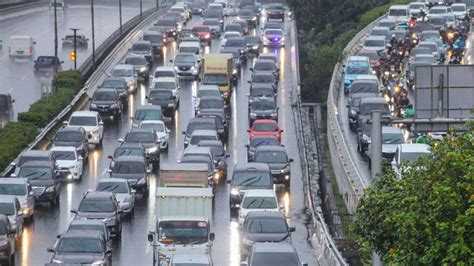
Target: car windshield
122, 73
271, 157
374, 43
93, 227
231, 35
3, 227
13, 189
449, 18
169, 85
136, 61
80, 245
197, 138
113, 84
438, 11
185, 59
153, 38
265, 66
275, 259
263, 78
215, 79
183, 232
366, 109
261, 92
266, 226
397, 12
235, 42
425, 36
194, 50
411, 157
35, 173
273, 32
458, 8
83, 121
24, 159
199, 125
437, 21
141, 47
392, 138
211, 104
367, 87
147, 115
7, 208
246, 13
216, 150
257, 142
68, 137
252, 179
116, 187
64, 155
265, 127
379, 32
263, 105
97, 205
140, 137
213, 14
210, 22
166, 22
200, 29
431, 46
121, 151
160, 95
106, 96
129, 168
420, 50
163, 73
207, 93
259, 203
158, 127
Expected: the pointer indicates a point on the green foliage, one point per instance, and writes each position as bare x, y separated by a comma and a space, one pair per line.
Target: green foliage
427, 217
372, 15
13, 139
72, 79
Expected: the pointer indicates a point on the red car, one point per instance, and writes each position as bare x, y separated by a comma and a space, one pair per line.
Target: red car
265, 127
204, 34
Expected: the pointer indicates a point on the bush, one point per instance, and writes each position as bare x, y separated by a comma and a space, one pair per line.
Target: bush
14, 138
69, 79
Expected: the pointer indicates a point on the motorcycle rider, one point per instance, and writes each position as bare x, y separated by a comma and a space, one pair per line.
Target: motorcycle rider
410, 111
394, 41
422, 14
459, 44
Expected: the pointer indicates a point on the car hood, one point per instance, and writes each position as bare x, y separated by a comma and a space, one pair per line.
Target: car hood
94, 215
104, 102
184, 65
162, 102
277, 166
260, 237
88, 258
389, 148
41, 182
65, 163
263, 111
128, 176
67, 143
121, 196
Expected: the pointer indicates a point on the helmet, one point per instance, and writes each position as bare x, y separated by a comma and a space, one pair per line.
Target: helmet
394, 36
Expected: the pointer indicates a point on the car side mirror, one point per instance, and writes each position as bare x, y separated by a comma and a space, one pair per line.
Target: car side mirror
80, 158
12, 164
183, 132
74, 211
34, 42
247, 146
101, 123
133, 191
65, 123
109, 252
171, 60
20, 213
251, 69
292, 229
50, 250
62, 62
150, 237
148, 171
110, 157
87, 39
304, 264
120, 140
13, 175
31, 193
248, 130
119, 212
168, 131
290, 160
58, 236
212, 236
249, 82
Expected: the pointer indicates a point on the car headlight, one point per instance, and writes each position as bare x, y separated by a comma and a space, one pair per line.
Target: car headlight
98, 263
254, 18
234, 71
366, 138
143, 69
114, 106
286, 169
130, 83
50, 189
141, 181
274, 115
152, 149
57, 261
253, 115
235, 192
193, 68
176, 68
255, 47
93, 105
353, 112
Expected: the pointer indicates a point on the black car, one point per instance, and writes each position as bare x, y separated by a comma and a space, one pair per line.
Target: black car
143, 48
264, 78
214, 104
261, 226
263, 109
254, 44
141, 65
134, 169
221, 123
196, 8
81, 41
219, 155
265, 65
353, 109
367, 105
156, 39
258, 141
7, 241
149, 140
127, 149
75, 137
248, 15
81, 247
165, 99
198, 123
6, 104
248, 176
261, 91
275, 11
107, 102
278, 161
168, 26
104, 206
215, 14
47, 64
120, 84
43, 179
236, 44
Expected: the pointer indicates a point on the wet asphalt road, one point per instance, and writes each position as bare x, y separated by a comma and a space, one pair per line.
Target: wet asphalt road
133, 248
17, 75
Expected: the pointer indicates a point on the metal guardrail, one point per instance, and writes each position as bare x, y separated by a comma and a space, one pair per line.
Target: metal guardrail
104, 50
21, 7
351, 185
321, 240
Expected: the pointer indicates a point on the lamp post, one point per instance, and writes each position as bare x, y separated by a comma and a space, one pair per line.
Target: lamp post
93, 35
120, 15
55, 68
141, 9
75, 46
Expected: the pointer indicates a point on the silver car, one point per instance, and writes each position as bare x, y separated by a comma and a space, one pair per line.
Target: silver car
10, 206
21, 188
124, 194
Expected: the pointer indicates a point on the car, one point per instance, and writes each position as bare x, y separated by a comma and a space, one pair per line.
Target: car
101, 205
243, 24
278, 161
43, 180
157, 41
430, 35
162, 132
380, 31
128, 73
268, 56
367, 105
80, 40
402, 35
144, 49
262, 65
219, 156
258, 200
149, 140
168, 26
147, 112
70, 163
204, 33
373, 56
388, 22
163, 72
191, 260
91, 122
186, 64
203, 160
188, 37
214, 14
426, 58
191, 47
33, 155
47, 64
206, 91
353, 108
197, 151
265, 127
257, 141
460, 10
264, 78
196, 8
214, 25
120, 85
228, 35
366, 84
254, 44
391, 138
20, 188
261, 92
21, 46
275, 254
262, 226
263, 109
141, 65
415, 7
10, 206
6, 106
170, 84
90, 225
107, 102
7, 240
439, 10
219, 121
238, 45
433, 46
437, 22
124, 194
419, 51
375, 43
201, 134
408, 153
182, 11
198, 123
165, 99
81, 247
273, 37
400, 13
214, 104
75, 137
450, 19
127, 149
275, 11
249, 16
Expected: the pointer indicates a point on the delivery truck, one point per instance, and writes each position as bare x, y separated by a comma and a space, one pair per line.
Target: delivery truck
218, 70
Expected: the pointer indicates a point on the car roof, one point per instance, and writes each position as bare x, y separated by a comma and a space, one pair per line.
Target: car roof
113, 180
268, 55
266, 121
260, 193
357, 58
131, 145
217, 98
139, 130
190, 44
38, 163
84, 113
166, 79
366, 77
414, 147
71, 129
258, 214
115, 79
63, 148
185, 53
208, 87
123, 66
273, 247
130, 159
251, 167
36, 153
87, 221
271, 148
142, 42
391, 130
15, 180
398, 6
82, 234
204, 132
152, 122
99, 194
262, 60
197, 150
372, 37
209, 143
7, 198
381, 28
151, 32
164, 68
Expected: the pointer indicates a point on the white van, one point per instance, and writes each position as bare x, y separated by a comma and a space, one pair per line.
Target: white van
400, 13
21, 46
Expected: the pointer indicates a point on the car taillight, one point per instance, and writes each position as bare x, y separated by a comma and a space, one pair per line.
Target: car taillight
31, 49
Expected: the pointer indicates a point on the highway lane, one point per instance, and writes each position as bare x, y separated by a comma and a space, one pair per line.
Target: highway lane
17, 75
133, 248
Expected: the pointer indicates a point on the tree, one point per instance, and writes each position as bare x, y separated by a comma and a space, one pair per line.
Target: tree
427, 217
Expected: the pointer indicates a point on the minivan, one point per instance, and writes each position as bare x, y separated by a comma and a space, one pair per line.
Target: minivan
21, 46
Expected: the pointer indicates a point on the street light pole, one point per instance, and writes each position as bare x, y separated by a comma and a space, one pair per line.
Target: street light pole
157, 4
75, 46
120, 15
141, 9
376, 142
55, 68
93, 35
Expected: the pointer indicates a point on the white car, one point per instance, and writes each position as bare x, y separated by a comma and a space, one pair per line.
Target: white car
186, 259
162, 132
123, 192
168, 84
459, 10
128, 73
70, 163
229, 34
408, 153
91, 122
21, 46
21, 188
258, 200
182, 10
163, 72
191, 47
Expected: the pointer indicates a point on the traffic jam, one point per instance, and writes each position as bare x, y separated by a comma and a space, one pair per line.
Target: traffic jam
381, 75
176, 183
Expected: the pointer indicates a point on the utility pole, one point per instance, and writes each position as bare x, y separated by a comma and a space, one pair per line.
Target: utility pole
141, 9
93, 35
55, 68
120, 15
376, 143
75, 46
157, 5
